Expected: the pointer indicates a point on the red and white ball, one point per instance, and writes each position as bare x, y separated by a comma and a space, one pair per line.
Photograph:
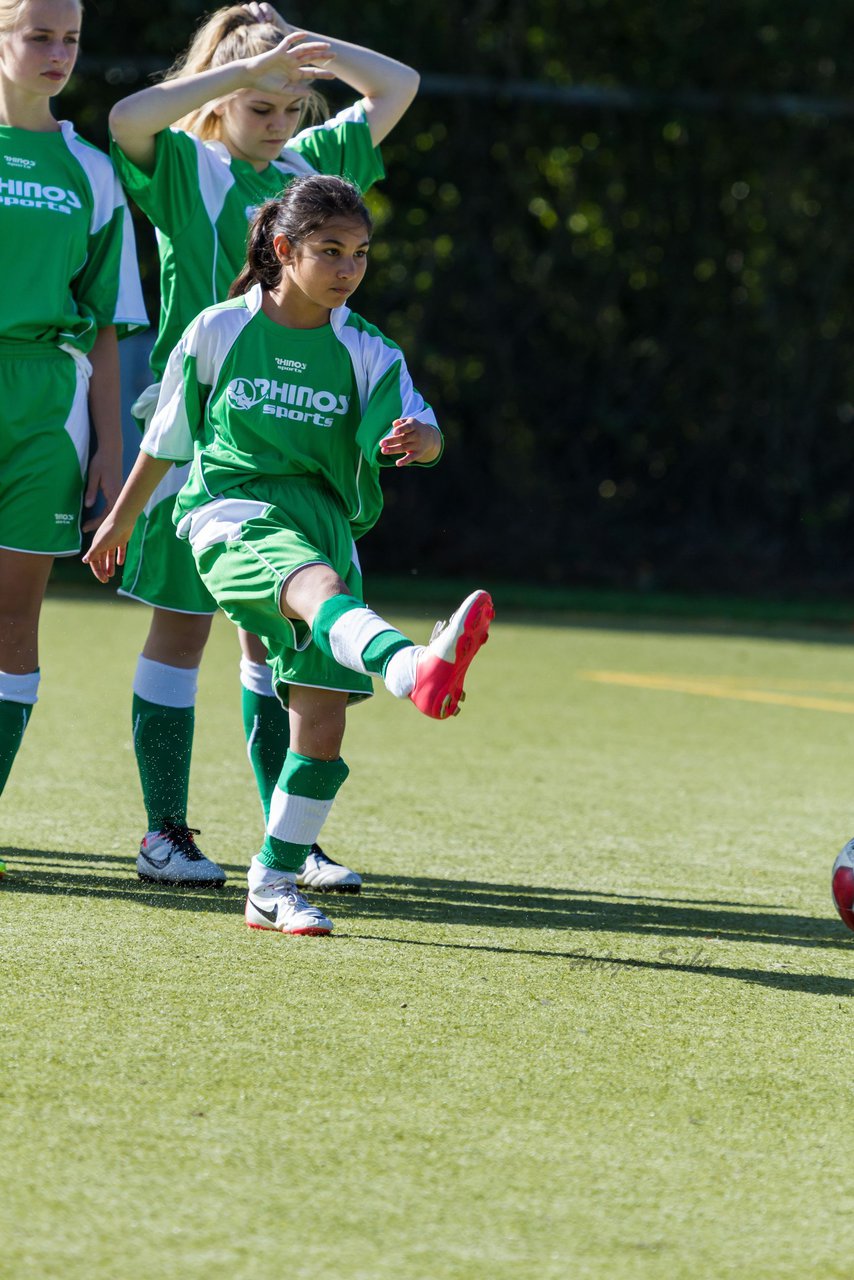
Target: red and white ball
842, 884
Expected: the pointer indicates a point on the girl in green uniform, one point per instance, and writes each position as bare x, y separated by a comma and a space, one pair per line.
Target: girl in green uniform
235, 104
289, 404
70, 288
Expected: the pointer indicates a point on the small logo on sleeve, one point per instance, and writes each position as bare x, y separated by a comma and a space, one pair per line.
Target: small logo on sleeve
64, 517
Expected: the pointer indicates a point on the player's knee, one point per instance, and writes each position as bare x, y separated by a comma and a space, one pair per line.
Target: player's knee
177, 639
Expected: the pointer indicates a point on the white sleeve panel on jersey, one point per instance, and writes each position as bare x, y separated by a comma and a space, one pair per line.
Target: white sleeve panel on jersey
169, 434
215, 331
215, 176
206, 342
130, 307
413, 402
104, 184
372, 357
108, 197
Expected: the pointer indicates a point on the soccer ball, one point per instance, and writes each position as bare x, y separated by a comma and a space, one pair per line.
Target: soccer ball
842, 884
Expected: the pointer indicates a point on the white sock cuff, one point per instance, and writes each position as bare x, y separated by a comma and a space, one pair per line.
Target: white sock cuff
260, 875
350, 636
296, 819
400, 672
165, 686
23, 689
257, 677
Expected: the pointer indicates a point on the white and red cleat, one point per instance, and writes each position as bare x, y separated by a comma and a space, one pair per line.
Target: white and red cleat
441, 668
280, 906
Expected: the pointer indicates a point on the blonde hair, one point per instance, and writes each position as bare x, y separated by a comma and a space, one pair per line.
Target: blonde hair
226, 35
10, 14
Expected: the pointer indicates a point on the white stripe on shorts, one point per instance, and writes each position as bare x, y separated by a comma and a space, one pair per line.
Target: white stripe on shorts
219, 521
77, 422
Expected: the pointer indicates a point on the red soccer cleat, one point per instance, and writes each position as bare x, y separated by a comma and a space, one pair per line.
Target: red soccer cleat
442, 667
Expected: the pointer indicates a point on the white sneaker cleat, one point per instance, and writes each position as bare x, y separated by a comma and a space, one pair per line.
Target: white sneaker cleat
171, 856
443, 664
320, 873
280, 905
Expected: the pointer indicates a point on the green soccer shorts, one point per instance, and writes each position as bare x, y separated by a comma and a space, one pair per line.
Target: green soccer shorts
249, 542
44, 448
159, 567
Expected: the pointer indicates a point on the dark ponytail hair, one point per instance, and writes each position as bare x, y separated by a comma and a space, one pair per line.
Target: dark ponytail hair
301, 210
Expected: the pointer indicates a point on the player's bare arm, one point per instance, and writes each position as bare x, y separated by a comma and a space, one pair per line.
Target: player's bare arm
108, 546
105, 469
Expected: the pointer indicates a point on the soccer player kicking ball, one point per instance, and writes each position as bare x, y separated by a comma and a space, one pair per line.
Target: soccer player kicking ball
285, 475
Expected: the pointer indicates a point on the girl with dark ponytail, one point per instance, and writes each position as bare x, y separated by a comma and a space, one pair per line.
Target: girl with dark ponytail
289, 404
310, 203
231, 124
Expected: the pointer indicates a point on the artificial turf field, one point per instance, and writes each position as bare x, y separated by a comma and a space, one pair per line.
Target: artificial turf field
591, 1017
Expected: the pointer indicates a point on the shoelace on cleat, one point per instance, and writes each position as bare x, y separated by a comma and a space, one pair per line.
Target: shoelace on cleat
182, 837
292, 894
321, 858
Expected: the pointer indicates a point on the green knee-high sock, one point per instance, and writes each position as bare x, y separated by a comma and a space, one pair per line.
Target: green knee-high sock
300, 804
347, 630
13, 722
267, 729
163, 743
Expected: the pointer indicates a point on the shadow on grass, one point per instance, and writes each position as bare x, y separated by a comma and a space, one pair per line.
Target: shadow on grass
816, 984
685, 927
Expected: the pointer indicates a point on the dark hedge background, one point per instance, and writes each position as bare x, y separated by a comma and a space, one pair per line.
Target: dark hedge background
632, 310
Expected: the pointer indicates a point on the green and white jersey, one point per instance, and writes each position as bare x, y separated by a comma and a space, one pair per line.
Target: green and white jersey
251, 401
201, 199
67, 252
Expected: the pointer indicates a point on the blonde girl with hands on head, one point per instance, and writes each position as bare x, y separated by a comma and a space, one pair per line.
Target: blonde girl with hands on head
70, 289
226, 130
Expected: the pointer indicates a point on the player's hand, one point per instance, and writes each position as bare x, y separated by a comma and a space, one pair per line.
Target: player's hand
290, 64
266, 13
108, 548
105, 476
416, 441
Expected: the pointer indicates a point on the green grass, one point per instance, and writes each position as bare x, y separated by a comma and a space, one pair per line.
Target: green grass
592, 1016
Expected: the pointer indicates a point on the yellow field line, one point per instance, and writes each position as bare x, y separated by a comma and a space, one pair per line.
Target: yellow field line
716, 688
782, 682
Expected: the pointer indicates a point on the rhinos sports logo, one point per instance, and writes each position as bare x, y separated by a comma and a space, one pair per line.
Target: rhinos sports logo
242, 394
291, 400
32, 195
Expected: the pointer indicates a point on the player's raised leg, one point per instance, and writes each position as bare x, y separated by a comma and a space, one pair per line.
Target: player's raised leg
432, 676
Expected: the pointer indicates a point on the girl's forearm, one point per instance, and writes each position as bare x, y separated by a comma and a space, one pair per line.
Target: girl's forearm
136, 120
145, 476
388, 86
104, 398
